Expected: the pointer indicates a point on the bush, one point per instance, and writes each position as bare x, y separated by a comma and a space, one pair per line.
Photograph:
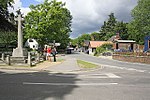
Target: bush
102, 49
107, 46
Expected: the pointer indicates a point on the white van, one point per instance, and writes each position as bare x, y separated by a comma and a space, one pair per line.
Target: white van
32, 43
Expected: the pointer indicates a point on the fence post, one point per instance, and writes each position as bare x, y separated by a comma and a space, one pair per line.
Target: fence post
8, 59
29, 59
3, 57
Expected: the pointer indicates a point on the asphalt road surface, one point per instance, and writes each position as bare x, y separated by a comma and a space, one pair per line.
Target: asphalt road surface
115, 81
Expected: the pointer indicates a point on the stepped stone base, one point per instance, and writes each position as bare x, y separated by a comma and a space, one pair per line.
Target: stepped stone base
19, 52
19, 56
22, 60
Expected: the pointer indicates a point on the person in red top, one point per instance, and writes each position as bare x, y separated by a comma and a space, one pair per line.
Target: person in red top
49, 51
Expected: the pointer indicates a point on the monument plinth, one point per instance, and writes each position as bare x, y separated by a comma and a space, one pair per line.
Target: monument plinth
19, 53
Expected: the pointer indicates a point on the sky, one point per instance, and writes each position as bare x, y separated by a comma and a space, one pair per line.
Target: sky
88, 15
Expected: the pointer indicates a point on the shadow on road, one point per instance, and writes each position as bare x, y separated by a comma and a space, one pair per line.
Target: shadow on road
36, 86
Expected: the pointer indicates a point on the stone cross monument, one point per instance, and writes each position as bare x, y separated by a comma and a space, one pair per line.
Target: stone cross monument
19, 51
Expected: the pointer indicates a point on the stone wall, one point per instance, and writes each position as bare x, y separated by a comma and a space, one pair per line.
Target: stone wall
132, 58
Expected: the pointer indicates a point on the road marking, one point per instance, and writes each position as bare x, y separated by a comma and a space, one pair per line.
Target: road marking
111, 75
100, 75
124, 68
70, 84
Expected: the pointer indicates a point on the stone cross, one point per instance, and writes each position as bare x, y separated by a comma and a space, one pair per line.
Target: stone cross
19, 51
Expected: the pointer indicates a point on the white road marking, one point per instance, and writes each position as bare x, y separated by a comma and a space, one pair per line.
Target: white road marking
100, 75
70, 84
111, 75
130, 69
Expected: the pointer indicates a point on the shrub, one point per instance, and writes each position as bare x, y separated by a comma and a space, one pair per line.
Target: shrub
102, 49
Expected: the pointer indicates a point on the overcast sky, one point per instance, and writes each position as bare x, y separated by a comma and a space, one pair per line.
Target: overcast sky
88, 15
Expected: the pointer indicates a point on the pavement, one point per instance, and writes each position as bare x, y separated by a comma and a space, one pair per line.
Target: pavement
64, 64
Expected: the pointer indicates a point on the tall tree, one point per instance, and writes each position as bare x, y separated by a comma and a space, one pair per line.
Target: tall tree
49, 21
4, 4
8, 30
108, 29
139, 27
5, 24
122, 29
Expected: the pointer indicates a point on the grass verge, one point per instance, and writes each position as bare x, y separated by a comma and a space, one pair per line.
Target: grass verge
85, 64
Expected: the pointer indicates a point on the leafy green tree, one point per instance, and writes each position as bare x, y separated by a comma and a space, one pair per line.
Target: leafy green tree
8, 37
49, 21
74, 41
8, 31
139, 27
82, 38
4, 4
5, 16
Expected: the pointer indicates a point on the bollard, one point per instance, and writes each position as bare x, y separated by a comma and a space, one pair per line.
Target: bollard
38, 57
29, 59
8, 59
3, 57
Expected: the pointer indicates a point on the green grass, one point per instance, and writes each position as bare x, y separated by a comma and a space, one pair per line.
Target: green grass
85, 64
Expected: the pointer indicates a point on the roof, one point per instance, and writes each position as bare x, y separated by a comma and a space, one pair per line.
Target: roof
125, 41
113, 38
94, 44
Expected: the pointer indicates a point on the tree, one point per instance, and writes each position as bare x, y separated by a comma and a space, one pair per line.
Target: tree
139, 27
4, 4
95, 36
82, 38
49, 21
5, 24
108, 29
8, 30
8, 37
74, 42
122, 29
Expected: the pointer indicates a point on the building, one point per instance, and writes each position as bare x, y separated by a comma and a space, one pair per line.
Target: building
124, 45
94, 44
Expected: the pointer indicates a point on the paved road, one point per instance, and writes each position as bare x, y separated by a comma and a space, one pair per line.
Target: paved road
116, 81
113, 63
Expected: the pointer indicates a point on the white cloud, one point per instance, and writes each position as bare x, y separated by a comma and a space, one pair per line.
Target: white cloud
18, 5
39, 0
89, 15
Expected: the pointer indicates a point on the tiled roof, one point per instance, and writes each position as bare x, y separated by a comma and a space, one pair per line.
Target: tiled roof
94, 44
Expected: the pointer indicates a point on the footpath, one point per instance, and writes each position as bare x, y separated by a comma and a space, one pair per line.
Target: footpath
66, 64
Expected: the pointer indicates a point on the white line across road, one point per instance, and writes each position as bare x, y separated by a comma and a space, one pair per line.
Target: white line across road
99, 75
70, 84
124, 68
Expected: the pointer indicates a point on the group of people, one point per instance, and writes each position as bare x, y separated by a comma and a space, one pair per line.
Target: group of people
49, 52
